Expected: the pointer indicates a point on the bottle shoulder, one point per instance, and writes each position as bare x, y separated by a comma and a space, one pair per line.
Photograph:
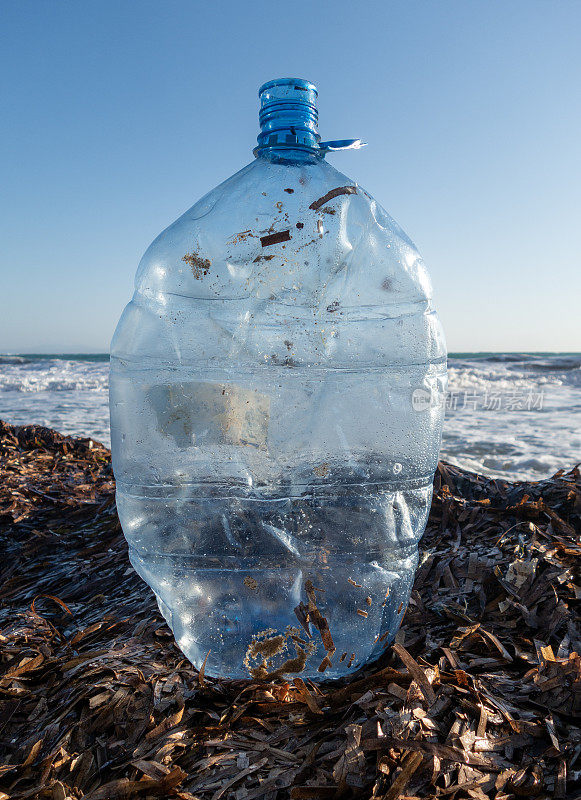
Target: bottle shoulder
299, 233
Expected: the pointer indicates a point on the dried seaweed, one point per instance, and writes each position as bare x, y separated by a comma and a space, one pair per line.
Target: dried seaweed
480, 696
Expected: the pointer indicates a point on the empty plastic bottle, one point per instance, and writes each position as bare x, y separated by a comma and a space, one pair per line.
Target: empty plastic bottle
277, 387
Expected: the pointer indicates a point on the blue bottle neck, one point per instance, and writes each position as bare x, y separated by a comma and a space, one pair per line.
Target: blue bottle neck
288, 119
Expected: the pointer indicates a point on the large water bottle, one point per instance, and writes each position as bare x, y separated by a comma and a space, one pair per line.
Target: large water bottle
277, 387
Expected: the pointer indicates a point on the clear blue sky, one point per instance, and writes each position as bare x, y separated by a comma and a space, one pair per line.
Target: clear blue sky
117, 115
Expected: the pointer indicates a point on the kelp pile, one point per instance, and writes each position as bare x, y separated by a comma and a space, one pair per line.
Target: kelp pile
479, 697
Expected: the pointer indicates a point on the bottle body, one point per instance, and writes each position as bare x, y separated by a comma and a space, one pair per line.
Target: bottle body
277, 390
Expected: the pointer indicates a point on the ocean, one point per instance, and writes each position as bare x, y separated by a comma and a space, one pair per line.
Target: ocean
508, 415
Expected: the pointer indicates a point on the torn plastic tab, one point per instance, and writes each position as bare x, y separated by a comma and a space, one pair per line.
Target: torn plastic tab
342, 144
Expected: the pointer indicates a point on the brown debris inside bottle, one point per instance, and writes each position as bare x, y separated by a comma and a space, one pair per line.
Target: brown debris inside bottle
307, 613
316, 204
302, 615
322, 470
242, 236
268, 647
353, 583
251, 583
361, 612
265, 646
200, 266
275, 238
325, 664
318, 620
